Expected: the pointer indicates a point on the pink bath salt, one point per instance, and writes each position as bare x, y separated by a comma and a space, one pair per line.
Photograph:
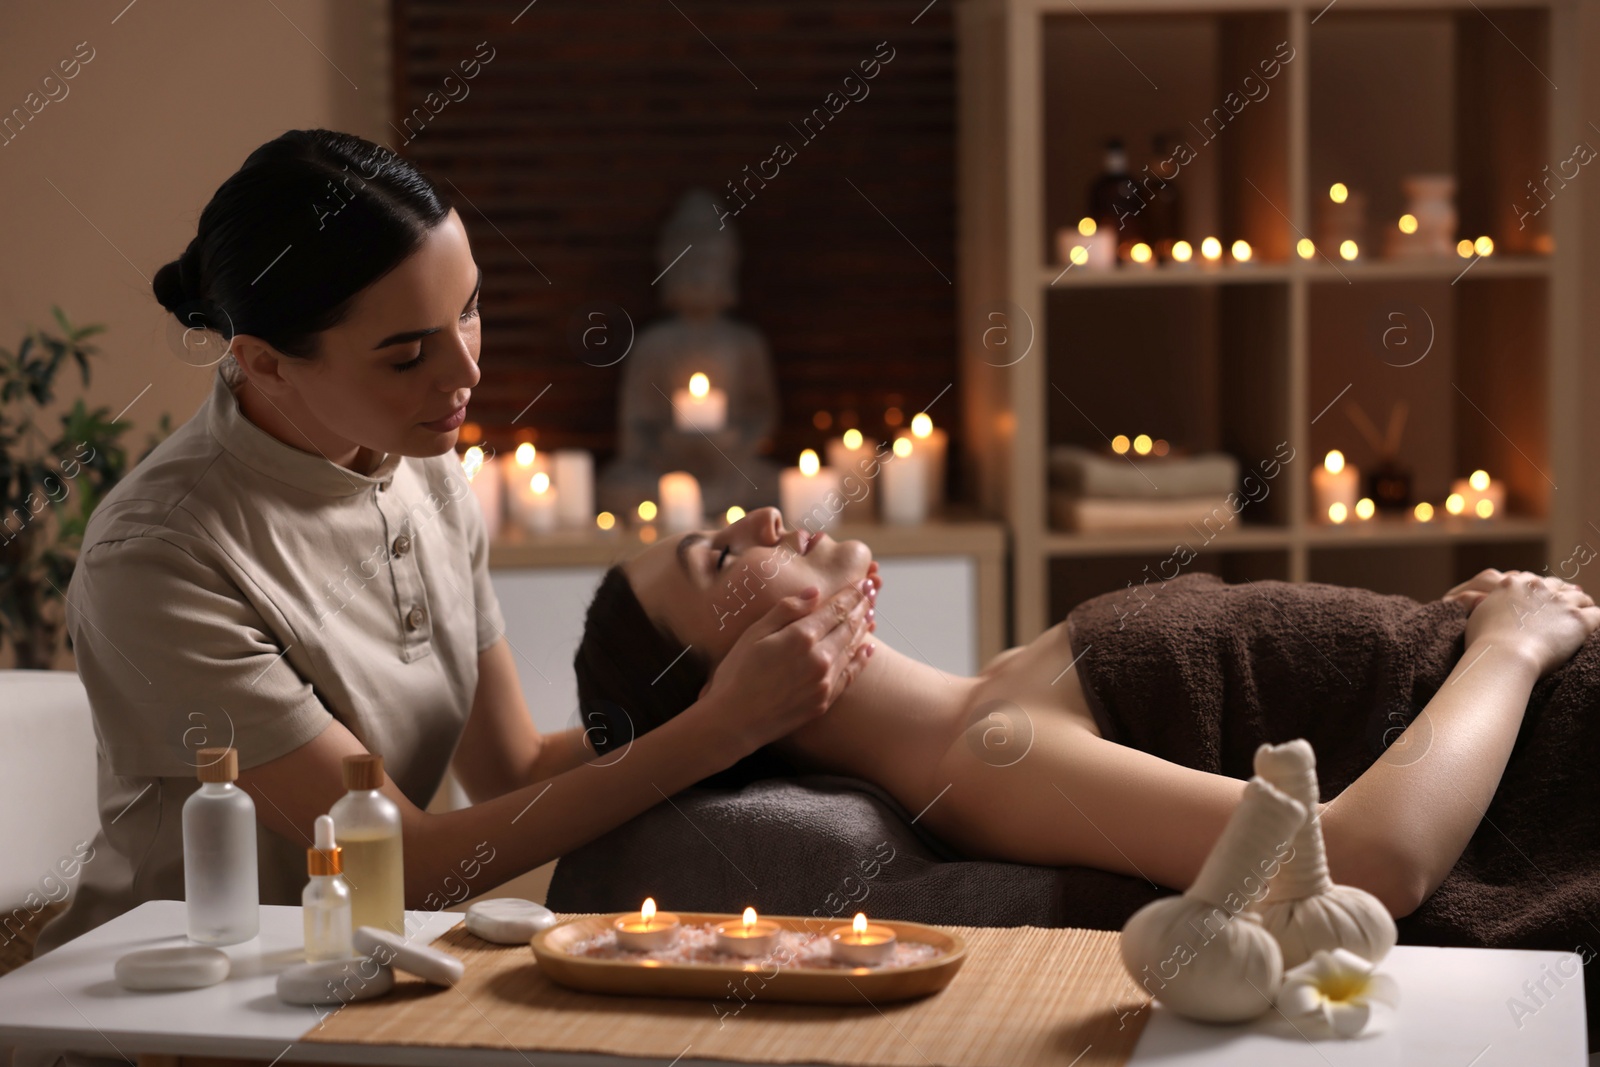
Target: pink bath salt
793, 948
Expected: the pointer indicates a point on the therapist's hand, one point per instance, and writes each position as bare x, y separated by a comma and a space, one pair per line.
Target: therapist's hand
792, 664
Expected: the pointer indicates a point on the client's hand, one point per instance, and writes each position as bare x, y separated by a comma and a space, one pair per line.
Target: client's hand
793, 662
1544, 618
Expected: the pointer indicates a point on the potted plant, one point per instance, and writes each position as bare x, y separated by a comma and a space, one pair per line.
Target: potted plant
50, 481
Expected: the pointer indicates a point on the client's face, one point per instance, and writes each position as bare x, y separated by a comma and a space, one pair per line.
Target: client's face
708, 586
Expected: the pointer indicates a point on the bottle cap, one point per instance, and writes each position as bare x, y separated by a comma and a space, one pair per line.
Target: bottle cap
326, 858
363, 771
217, 764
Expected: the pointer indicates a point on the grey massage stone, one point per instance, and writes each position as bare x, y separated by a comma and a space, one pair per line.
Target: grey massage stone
183, 967
335, 981
508, 920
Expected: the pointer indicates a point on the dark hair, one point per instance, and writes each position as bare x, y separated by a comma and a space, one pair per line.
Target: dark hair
311, 219
634, 675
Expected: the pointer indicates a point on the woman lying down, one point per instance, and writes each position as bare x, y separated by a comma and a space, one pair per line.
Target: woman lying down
1454, 739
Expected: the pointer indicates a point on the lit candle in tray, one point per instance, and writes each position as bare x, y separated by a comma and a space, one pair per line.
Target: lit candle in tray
747, 936
861, 944
647, 931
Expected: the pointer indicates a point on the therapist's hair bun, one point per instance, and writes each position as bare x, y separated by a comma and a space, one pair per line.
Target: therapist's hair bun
312, 218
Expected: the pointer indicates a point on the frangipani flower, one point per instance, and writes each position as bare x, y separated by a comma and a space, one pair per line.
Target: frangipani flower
1338, 988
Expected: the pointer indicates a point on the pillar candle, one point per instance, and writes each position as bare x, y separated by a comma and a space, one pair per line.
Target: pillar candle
903, 482
847, 454
484, 477
932, 444
1474, 491
574, 478
680, 509
1335, 482
699, 407
517, 471
541, 513
804, 490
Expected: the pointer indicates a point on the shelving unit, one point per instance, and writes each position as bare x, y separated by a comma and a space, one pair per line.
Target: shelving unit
1262, 358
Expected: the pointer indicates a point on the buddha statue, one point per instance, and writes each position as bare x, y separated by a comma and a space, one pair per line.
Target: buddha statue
699, 258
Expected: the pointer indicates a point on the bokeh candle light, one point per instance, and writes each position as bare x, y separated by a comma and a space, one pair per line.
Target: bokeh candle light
484, 477
700, 407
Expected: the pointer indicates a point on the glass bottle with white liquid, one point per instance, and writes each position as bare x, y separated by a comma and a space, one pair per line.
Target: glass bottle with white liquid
369, 835
222, 900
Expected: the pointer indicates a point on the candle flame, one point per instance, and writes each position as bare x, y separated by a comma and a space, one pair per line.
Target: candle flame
1483, 246
699, 385
1120, 444
1408, 223
1338, 512
1334, 463
735, 513
1140, 253
921, 424
1306, 247
852, 439
1242, 251
902, 446
472, 462
1479, 480
1182, 251
539, 483
647, 510
1365, 508
1349, 250
1087, 226
1424, 512
749, 918
647, 910
859, 925
605, 520
525, 454
1143, 444
1211, 248
1455, 503
1338, 192
1484, 508
809, 464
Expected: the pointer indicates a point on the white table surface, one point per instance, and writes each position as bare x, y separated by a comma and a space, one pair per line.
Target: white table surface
1455, 1010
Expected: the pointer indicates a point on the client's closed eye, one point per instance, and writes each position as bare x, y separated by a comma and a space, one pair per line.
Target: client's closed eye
722, 556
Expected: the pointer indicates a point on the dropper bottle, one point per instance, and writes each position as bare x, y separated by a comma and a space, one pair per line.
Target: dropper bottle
325, 902
369, 833
222, 900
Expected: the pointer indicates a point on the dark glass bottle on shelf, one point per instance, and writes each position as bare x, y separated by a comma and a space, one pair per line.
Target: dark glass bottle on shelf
1157, 186
1114, 200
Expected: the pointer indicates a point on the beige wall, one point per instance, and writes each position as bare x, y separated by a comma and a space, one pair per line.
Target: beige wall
177, 93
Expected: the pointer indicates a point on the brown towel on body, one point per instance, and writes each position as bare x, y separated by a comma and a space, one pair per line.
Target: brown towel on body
1200, 673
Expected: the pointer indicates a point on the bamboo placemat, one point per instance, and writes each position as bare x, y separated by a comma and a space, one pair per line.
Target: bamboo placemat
1026, 996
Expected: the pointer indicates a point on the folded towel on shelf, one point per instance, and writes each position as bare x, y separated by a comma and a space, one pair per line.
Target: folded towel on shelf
1079, 514
1200, 673
1089, 474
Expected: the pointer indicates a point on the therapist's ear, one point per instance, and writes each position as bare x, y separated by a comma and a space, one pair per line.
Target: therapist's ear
262, 364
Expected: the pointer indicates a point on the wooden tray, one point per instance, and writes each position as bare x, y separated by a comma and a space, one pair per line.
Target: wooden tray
803, 984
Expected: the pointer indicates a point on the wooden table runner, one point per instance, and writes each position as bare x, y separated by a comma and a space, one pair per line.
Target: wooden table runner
1025, 996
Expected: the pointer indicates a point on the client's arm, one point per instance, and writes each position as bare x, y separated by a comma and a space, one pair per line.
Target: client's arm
1421, 802
1079, 799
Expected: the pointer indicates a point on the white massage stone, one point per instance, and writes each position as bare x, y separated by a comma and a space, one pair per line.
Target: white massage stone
508, 920
428, 964
335, 981
184, 967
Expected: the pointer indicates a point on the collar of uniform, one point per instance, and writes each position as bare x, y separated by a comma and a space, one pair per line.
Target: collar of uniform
262, 452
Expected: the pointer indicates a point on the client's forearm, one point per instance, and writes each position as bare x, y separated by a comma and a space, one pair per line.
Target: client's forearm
530, 826
1407, 819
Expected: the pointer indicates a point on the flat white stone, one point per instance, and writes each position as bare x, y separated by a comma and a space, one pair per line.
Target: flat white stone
426, 962
508, 920
181, 967
335, 981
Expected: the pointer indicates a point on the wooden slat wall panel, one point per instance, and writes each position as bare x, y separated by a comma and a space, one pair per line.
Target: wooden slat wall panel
576, 140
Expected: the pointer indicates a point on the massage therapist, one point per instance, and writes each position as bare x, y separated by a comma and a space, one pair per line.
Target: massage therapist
300, 572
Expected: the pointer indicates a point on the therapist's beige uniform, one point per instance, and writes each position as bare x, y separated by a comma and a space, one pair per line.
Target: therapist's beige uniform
236, 591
